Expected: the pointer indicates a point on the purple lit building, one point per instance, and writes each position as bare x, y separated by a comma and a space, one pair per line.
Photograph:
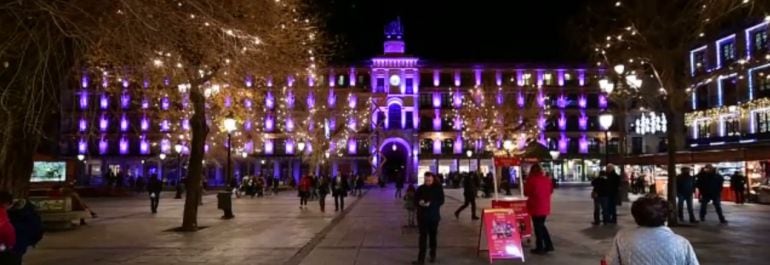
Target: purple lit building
412, 128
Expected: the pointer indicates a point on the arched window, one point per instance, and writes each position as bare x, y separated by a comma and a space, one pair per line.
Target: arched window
394, 116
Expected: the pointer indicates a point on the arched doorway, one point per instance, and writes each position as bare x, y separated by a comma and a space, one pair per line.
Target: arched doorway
395, 163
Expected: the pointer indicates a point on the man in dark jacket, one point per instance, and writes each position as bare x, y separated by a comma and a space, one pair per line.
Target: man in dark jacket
339, 191
599, 195
709, 184
428, 200
154, 188
28, 225
469, 193
613, 188
399, 185
738, 185
685, 187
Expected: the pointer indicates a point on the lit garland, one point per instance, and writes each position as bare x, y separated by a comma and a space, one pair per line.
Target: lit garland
713, 114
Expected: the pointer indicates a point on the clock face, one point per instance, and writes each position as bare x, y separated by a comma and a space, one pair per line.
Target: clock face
395, 80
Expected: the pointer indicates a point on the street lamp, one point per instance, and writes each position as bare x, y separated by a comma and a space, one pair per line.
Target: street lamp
619, 69
508, 146
178, 148
82, 157
229, 126
162, 157
301, 149
469, 153
605, 121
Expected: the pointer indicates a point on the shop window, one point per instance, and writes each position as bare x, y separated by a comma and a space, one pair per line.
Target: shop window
447, 146
704, 129
762, 120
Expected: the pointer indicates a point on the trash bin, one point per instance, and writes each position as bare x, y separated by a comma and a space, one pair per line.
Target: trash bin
224, 200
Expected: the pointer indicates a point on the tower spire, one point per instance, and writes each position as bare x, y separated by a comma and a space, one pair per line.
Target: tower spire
394, 37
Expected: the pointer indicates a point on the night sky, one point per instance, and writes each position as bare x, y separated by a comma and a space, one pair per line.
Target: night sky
520, 31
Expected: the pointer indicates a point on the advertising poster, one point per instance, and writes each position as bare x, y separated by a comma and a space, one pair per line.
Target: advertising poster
519, 207
502, 234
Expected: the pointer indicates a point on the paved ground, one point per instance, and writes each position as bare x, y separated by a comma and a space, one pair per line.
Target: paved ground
274, 231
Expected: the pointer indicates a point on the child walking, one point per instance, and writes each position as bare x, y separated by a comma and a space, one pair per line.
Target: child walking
409, 206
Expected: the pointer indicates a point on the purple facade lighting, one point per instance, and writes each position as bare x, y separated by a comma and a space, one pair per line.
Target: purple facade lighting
269, 146
563, 142
581, 77
165, 146
436, 100
352, 146
125, 99
436, 146
436, 120
104, 101
248, 147
247, 103
290, 99
498, 78
499, 97
145, 103
332, 99
123, 123
560, 77
289, 146
520, 77
436, 81
582, 102
458, 123
352, 77
352, 123
583, 121
105, 82
310, 81
457, 99
310, 100
144, 145
164, 103
82, 146
540, 99
228, 101
602, 101
561, 101
458, 146
83, 125
332, 80
248, 81
540, 77
269, 81
103, 122
144, 124
562, 121
84, 80
269, 100
125, 83
290, 81
477, 76
541, 121
333, 123
167, 81
185, 124
269, 123
103, 145
520, 99
457, 78
206, 148
290, 124
247, 125
352, 101
146, 83
123, 145
83, 99
165, 126
583, 144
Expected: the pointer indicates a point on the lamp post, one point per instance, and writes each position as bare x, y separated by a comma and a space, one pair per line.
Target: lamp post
225, 197
469, 154
605, 121
81, 157
178, 149
301, 149
245, 155
162, 157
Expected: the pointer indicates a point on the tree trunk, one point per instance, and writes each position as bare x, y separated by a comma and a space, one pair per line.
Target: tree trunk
195, 165
16, 164
622, 131
675, 136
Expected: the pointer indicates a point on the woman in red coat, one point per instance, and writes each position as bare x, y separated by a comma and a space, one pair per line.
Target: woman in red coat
538, 190
304, 190
7, 233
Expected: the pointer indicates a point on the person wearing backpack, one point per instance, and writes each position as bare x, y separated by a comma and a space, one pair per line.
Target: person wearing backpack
28, 225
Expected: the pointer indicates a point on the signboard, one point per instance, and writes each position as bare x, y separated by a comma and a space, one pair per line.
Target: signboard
501, 231
519, 206
49, 171
507, 161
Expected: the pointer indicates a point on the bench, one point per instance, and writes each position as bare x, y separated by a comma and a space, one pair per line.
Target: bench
56, 212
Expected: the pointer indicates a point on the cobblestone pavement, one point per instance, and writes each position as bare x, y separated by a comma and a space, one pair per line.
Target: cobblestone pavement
274, 230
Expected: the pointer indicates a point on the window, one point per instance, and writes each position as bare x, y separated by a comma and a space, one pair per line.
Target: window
637, 145
592, 100
548, 79
732, 126
729, 91
446, 100
761, 81
702, 97
409, 86
699, 61
380, 85
728, 52
762, 121
447, 146
760, 41
593, 145
704, 129
394, 116
409, 120
426, 100
426, 146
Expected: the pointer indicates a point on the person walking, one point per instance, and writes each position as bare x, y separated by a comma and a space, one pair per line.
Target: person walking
399, 185
599, 195
428, 200
642, 244
738, 185
28, 227
409, 206
323, 190
359, 186
469, 194
538, 190
685, 187
304, 191
339, 191
7, 231
154, 188
613, 200
709, 183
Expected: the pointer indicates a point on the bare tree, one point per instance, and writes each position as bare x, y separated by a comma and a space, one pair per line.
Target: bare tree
652, 39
